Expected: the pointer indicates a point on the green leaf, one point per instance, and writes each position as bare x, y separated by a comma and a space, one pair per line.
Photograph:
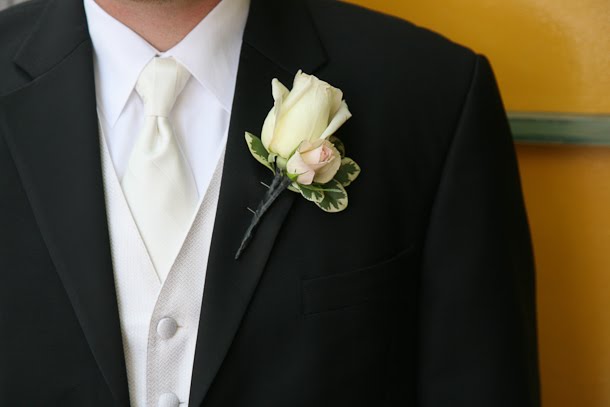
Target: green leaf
294, 187
321, 187
348, 171
335, 197
338, 145
258, 150
315, 195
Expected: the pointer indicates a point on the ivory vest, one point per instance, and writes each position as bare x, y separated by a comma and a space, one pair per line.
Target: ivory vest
159, 320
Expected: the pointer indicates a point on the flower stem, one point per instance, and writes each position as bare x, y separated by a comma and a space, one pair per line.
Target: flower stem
279, 184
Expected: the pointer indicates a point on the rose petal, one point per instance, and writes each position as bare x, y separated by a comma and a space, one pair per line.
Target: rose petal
326, 154
302, 83
302, 114
268, 129
306, 178
312, 156
337, 99
305, 120
296, 166
278, 90
342, 115
328, 171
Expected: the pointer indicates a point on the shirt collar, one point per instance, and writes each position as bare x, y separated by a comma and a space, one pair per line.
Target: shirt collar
210, 52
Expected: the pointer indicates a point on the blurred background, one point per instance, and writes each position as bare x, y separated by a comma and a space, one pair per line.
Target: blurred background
552, 61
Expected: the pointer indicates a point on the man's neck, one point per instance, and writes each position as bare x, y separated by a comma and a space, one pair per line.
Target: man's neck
163, 23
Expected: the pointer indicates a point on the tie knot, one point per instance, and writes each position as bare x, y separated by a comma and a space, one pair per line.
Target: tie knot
160, 84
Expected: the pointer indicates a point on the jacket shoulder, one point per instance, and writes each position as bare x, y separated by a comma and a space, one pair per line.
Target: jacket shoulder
372, 33
16, 24
391, 59
400, 80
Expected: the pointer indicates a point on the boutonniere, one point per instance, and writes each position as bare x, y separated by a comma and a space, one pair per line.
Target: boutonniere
299, 146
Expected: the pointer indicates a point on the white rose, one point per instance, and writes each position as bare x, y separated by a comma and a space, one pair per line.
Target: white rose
312, 110
316, 161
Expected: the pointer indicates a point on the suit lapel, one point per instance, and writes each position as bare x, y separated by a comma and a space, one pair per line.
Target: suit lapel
58, 158
230, 284
52, 131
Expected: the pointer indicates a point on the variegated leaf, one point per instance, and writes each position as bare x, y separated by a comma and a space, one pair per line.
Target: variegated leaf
312, 194
338, 145
335, 197
348, 171
294, 187
258, 150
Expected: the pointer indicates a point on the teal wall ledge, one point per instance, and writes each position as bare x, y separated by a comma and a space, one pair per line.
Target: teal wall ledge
559, 128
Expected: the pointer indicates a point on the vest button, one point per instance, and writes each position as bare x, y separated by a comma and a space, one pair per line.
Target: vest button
167, 327
169, 400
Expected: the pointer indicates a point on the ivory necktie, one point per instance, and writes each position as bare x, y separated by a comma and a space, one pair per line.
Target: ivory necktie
158, 184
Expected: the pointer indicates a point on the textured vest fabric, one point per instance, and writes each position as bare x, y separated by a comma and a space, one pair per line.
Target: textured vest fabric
159, 320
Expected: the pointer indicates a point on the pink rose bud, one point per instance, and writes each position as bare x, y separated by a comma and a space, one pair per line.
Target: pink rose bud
316, 161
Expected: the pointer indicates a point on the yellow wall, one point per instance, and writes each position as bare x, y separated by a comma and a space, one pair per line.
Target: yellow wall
549, 55
568, 197
552, 55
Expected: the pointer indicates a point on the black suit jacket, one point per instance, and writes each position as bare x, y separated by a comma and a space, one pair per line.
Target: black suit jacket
420, 294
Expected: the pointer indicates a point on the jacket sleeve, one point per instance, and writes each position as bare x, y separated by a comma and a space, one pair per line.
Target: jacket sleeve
477, 344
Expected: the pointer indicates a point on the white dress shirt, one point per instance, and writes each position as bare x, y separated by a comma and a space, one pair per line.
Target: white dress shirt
210, 52
159, 319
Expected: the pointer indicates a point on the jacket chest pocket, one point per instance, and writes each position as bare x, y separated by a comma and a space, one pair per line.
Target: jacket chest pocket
344, 290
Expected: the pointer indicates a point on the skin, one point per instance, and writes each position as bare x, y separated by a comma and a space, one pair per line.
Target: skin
163, 23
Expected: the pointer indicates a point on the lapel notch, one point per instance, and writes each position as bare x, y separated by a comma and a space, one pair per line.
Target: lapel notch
61, 28
51, 128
